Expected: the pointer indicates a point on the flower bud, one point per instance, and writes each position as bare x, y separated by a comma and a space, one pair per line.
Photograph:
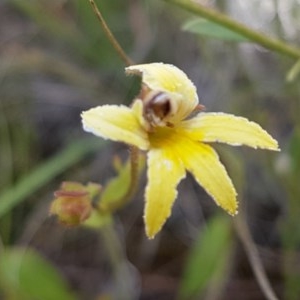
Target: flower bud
73, 202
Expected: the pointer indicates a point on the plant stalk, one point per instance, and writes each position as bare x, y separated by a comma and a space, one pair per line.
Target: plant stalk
110, 35
244, 235
225, 21
134, 151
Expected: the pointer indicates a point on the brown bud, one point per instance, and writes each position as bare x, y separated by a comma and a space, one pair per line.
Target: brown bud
73, 203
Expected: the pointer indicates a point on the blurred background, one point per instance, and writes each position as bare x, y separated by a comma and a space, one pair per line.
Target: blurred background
55, 62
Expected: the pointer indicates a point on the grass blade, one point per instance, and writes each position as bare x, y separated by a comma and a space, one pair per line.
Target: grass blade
40, 176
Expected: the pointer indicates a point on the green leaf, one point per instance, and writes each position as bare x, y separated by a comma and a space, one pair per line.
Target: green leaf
24, 274
44, 173
208, 258
118, 186
210, 29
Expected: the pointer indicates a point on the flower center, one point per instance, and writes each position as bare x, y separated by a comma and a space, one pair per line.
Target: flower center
162, 136
157, 107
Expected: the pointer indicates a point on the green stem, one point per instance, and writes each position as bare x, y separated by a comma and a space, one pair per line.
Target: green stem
134, 180
110, 36
122, 274
254, 36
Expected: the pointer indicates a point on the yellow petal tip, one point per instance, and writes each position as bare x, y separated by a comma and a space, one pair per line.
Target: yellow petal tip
153, 227
233, 213
230, 129
154, 224
269, 143
151, 233
231, 207
276, 147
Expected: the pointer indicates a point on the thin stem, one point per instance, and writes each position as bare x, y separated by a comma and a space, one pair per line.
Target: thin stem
134, 152
253, 256
134, 172
123, 275
255, 36
110, 36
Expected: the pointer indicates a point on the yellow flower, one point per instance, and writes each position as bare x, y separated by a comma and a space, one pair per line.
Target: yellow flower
160, 122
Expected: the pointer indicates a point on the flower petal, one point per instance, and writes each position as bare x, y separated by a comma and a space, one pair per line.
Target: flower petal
165, 171
203, 162
118, 123
168, 78
226, 128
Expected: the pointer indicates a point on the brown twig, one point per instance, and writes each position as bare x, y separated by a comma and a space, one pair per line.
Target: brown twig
244, 235
134, 151
110, 36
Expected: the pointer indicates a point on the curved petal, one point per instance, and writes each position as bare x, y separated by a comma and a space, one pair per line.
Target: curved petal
226, 128
117, 123
170, 79
203, 162
138, 108
165, 171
